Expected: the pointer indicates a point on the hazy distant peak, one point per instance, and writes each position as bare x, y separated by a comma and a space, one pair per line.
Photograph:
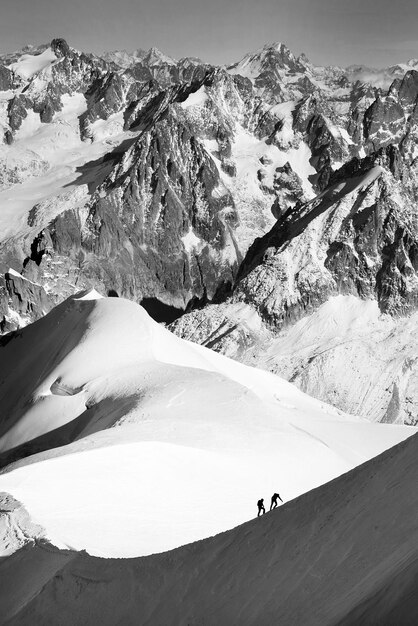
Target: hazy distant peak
139, 53
123, 58
191, 61
302, 58
10, 57
270, 57
154, 56
380, 77
279, 46
276, 48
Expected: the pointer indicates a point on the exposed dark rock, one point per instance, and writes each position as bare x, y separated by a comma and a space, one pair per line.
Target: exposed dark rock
382, 120
372, 253
17, 110
28, 299
160, 311
6, 79
60, 47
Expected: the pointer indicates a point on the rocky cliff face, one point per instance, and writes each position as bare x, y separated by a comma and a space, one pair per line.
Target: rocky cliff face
176, 172
357, 238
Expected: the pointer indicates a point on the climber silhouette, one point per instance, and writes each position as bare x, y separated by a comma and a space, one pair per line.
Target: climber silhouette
260, 505
274, 500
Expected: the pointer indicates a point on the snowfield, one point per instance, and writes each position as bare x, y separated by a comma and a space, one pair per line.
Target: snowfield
28, 64
47, 161
129, 441
345, 553
349, 353
346, 353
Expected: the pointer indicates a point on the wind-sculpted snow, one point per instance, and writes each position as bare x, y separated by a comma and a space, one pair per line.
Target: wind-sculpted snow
345, 553
110, 421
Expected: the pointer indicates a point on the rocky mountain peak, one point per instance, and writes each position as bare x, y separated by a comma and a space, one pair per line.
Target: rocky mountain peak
124, 59
187, 61
280, 48
303, 59
60, 47
271, 57
154, 56
408, 90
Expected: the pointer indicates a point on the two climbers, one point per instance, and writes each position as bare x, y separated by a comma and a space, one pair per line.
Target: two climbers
273, 505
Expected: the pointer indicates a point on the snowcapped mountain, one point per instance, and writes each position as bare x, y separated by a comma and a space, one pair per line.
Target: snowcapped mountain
346, 352
356, 238
123, 58
278, 75
170, 160
272, 182
266, 210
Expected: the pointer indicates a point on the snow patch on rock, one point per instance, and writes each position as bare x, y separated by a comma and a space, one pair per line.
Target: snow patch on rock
28, 64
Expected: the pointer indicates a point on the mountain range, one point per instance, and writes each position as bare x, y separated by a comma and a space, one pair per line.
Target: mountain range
271, 185
208, 294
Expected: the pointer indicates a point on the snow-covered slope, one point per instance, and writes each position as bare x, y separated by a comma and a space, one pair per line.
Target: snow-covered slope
352, 356
121, 425
28, 64
42, 167
345, 553
346, 353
